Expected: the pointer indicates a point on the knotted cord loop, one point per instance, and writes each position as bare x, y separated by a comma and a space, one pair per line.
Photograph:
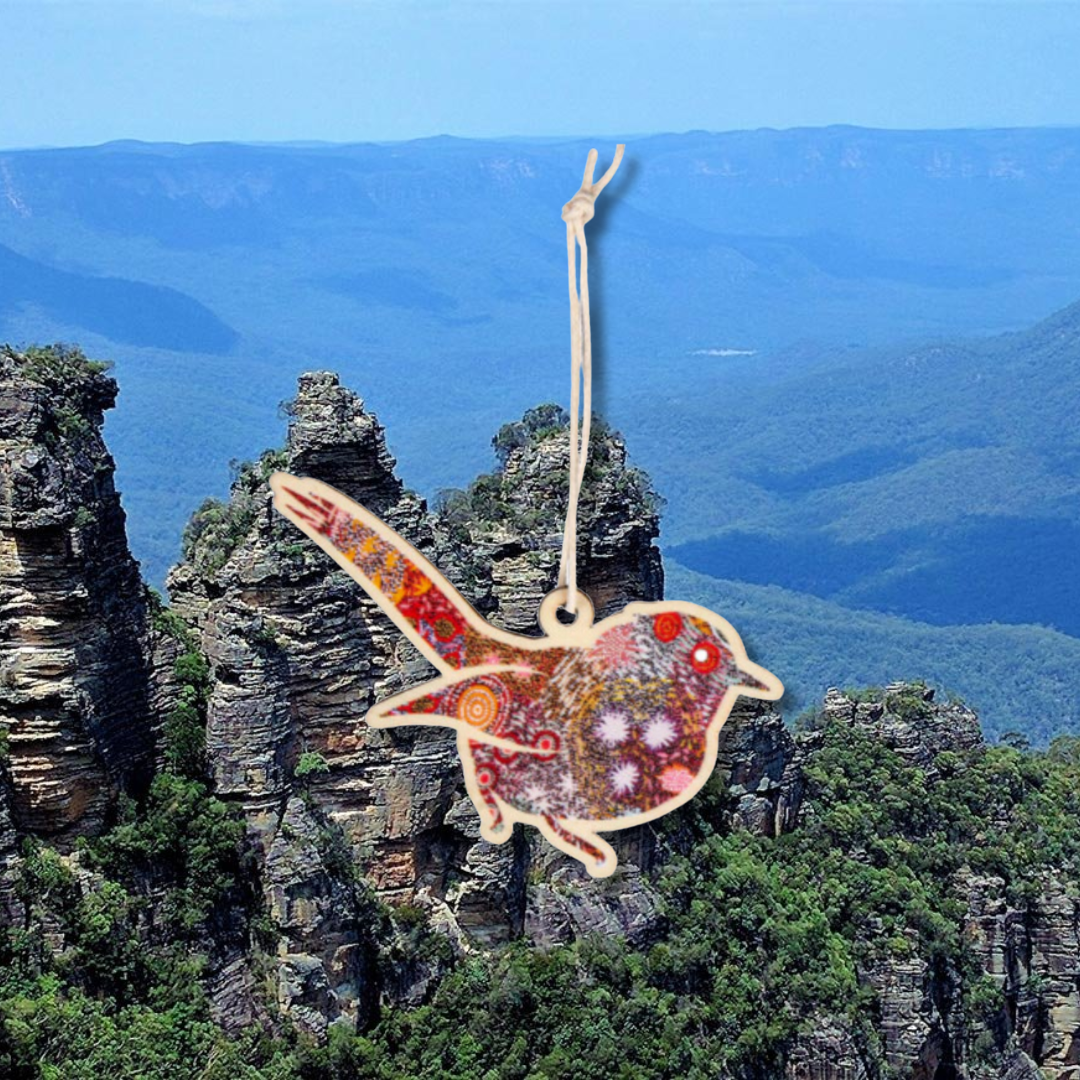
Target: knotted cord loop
576, 213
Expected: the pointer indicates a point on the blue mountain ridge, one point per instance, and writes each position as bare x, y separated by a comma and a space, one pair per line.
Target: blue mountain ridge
830, 347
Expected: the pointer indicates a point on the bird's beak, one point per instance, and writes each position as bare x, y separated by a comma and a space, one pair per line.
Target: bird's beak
756, 682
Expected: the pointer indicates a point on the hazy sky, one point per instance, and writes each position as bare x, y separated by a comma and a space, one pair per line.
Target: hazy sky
85, 71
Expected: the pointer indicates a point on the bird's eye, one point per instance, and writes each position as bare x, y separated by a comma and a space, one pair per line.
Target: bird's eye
705, 657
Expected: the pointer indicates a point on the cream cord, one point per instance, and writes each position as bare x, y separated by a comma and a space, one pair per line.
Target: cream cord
576, 213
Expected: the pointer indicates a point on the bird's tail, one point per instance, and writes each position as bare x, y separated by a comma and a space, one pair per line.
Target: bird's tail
425, 607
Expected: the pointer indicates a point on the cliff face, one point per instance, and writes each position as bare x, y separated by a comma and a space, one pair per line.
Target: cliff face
296, 651
1032, 954
75, 680
1029, 952
298, 654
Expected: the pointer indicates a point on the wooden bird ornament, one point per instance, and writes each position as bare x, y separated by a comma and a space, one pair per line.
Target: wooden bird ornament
585, 730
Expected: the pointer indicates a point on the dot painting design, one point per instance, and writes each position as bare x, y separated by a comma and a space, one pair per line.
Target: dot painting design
577, 733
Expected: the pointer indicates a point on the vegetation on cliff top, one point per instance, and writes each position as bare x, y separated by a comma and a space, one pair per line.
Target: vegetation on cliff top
57, 366
73, 382
217, 528
495, 500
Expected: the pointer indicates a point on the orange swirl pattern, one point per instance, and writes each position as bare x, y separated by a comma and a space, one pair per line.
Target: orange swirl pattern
478, 706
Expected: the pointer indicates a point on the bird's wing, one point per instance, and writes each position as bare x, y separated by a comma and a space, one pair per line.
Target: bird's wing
421, 602
476, 701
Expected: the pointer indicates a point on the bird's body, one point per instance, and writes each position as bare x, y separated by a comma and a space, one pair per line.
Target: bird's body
587, 730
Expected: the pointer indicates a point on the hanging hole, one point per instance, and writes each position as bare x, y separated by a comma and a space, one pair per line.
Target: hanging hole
556, 621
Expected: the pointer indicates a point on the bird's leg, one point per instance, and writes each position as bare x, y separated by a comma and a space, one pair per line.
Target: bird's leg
494, 827
596, 855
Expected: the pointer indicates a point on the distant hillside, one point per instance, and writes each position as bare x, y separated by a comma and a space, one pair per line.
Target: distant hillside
1021, 678
426, 270
825, 347
940, 483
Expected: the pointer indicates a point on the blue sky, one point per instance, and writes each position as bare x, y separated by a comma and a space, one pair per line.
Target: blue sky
86, 71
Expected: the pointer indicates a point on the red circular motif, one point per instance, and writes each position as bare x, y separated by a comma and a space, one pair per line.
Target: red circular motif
667, 627
548, 743
506, 756
704, 657
487, 775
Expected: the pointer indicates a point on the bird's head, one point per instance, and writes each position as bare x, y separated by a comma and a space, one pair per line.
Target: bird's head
707, 654
645, 700
667, 642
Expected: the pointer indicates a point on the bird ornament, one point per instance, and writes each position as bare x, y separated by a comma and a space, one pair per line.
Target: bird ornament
592, 727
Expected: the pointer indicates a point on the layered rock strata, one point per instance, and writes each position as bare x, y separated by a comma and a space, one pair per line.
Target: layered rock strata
75, 682
298, 654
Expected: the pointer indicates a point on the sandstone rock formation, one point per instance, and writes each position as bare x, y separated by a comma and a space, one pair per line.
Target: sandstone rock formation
1032, 953
502, 537
298, 654
758, 761
75, 683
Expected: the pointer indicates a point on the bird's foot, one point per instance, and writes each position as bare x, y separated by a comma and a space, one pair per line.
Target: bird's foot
497, 832
596, 855
603, 865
